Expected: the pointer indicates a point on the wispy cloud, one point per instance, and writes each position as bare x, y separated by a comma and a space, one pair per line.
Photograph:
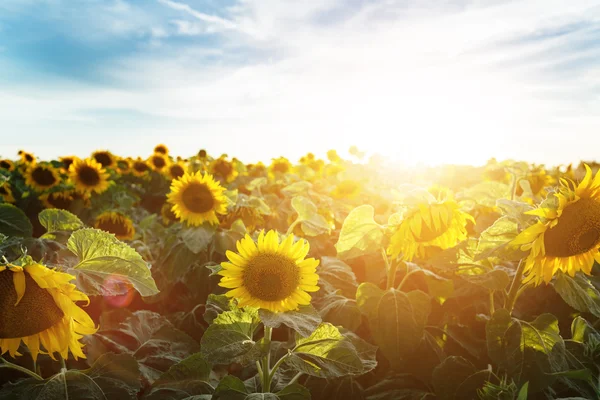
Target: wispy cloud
439, 82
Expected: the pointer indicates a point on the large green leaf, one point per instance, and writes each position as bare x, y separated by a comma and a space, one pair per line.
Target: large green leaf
230, 337
189, 377
14, 222
101, 257
360, 233
495, 241
311, 222
339, 310
449, 375
578, 292
54, 219
335, 275
304, 320
199, 237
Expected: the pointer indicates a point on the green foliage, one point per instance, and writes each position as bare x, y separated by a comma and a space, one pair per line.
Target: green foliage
360, 234
14, 222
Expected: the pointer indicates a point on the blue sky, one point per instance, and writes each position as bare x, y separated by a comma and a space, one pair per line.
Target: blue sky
416, 81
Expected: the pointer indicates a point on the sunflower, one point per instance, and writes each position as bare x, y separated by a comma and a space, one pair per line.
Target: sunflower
197, 198
223, 169
280, 165
347, 189
202, 154
161, 149
67, 161
167, 215
177, 169
270, 275
104, 158
38, 307
538, 180
62, 200
41, 177
123, 166
7, 165
567, 237
116, 223
88, 176
256, 170
140, 167
6, 193
333, 156
439, 224
250, 216
26, 158
158, 162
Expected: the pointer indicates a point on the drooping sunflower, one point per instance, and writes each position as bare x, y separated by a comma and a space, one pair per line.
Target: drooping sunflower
347, 189
270, 275
158, 162
438, 224
38, 307
88, 176
177, 169
197, 198
140, 167
6, 193
162, 149
223, 169
7, 165
61, 200
567, 237
41, 177
280, 165
104, 158
26, 158
116, 223
67, 161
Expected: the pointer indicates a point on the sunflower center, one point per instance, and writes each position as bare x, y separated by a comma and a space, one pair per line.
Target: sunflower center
104, 159
28, 157
177, 171
5, 164
140, 166
60, 200
116, 226
36, 312
158, 162
89, 176
271, 277
223, 168
197, 198
577, 230
160, 149
43, 177
67, 162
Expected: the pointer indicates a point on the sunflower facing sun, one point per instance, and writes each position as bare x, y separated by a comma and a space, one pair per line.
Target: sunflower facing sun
116, 223
567, 238
41, 177
270, 275
197, 198
38, 308
88, 176
440, 224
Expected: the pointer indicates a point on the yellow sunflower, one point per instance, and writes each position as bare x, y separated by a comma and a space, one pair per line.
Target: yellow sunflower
538, 180
567, 237
38, 307
116, 223
256, 170
26, 158
440, 224
223, 169
88, 176
6, 193
104, 158
202, 154
62, 200
123, 165
167, 215
250, 216
158, 162
67, 161
280, 165
7, 165
140, 167
197, 198
41, 177
270, 275
333, 156
347, 189
177, 169
161, 149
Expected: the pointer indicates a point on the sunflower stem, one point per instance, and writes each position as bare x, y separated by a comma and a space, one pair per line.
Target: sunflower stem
514, 287
492, 306
407, 275
295, 379
390, 268
63, 365
292, 226
7, 364
266, 362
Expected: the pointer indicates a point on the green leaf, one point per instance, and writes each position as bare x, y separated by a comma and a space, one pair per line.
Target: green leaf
14, 222
495, 241
189, 377
177, 261
336, 389
198, 238
581, 331
193, 367
335, 275
360, 233
398, 387
578, 292
312, 223
493, 280
495, 329
230, 337
304, 320
368, 296
54, 219
339, 310
294, 391
297, 188
449, 375
523, 391
325, 354
215, 305
102, 256
230, 388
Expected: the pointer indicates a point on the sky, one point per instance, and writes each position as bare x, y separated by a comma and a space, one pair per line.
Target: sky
417, 81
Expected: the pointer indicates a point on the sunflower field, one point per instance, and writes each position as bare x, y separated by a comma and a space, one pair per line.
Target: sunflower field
207, 278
